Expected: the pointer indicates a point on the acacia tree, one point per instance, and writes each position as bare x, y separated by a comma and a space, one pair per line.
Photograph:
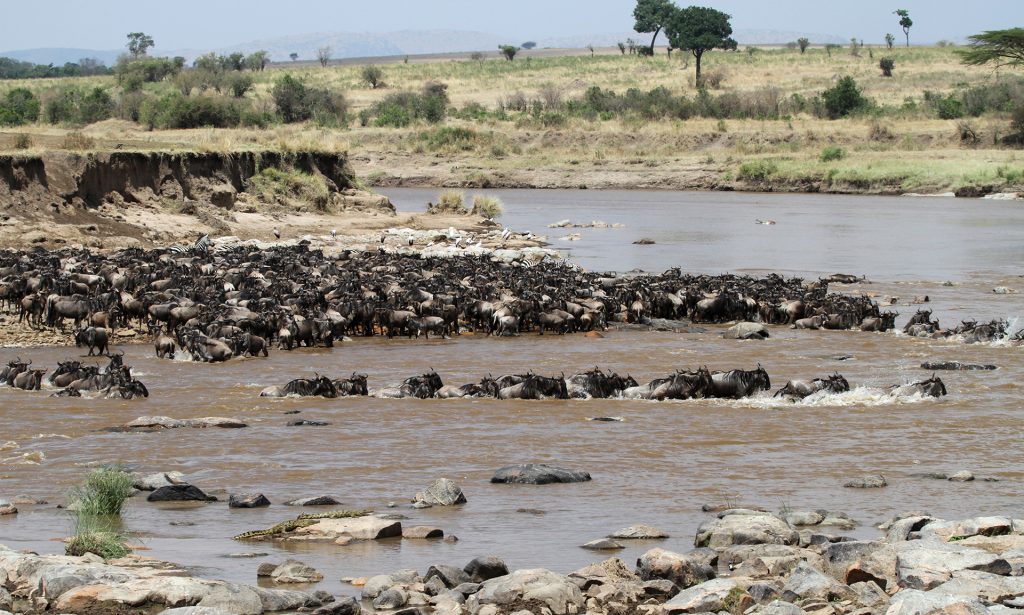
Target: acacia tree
509, 51
652, 16
699, 29
138, 43
804, 43
999, 47
257, 60
889, 40
324, 55
294, 56
905, 22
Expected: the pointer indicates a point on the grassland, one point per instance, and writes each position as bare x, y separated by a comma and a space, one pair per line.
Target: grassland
898, 145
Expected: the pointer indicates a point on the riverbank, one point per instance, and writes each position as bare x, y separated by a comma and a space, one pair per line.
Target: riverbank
743, 561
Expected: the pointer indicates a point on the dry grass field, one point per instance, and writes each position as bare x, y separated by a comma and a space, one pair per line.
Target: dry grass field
899, 145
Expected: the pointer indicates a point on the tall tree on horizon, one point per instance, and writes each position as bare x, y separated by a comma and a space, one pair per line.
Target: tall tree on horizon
138, 43
651, 16
905, 22
699, 29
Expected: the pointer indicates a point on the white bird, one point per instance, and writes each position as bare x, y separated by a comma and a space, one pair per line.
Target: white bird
383, 236
277, 233
410, 241
334, 233
529, 236
505, 234
458, 240
479, 243
451, 232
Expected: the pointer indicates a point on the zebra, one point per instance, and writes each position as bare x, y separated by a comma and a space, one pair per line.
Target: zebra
200, 246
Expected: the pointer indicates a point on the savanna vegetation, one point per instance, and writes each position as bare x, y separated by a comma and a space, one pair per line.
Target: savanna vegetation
912, 119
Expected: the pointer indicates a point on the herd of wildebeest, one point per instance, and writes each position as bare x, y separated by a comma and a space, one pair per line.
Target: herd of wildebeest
242, 301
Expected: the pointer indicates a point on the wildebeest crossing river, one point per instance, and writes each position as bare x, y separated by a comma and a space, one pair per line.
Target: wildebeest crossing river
657, 466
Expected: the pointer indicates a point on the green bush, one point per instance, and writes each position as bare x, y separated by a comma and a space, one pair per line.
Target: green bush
831, 153
297, 102
450, 138
887, 64
19, 106
949, 108
22, 141
238, 84
843, 99
177, 111
132, 72
403, 108
758, 170
103, 494
373, 76
77, 107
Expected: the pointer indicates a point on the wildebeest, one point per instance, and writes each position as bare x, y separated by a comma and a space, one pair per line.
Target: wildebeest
536, 387
881, 323
29, 380
427, 325
595, 383
163, 344
92, 338
59, 307
799, 389
421, 387
353, 385
13, 368
320, 386
932, 387
813, 322
680, 385
739, 383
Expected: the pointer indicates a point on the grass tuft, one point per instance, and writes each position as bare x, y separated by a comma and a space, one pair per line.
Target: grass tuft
487, 206
103, 494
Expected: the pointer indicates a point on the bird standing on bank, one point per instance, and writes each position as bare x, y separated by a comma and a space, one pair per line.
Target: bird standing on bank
277, 233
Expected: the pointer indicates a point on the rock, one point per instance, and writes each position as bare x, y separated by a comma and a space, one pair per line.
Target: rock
354, 528
392, 598
293, 571
746, 529
644, 242
1002, 290
803, 517
901, 529
422, 531
955, 365
925, 565
166, 422
746, 331
375, 585
639, 532
443, 492
916, 602
602, 544
482, 569
435, 586
307, 423
714, 596
266, 569
780, 607
560, 224
973, 191
525, 587
806, 582
152, 482
449, 575
180, 493
320, 500
196, 610
223, 196
247, 500
6, 508
467, 589
857, 561
872, 481
963, 476
683, 571
538, 474
344, 605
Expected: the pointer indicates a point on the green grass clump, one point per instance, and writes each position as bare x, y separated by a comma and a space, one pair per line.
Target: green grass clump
450, 202
450, 138
758, 170
831, 153
103, 494
487, 206
281, 185
108, 545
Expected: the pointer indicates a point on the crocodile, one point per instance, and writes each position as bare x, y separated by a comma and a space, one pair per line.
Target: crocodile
303, 520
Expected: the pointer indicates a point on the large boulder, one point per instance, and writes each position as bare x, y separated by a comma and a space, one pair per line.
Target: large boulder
611, 582
294, 571
638, 532
682, 570
746, 331
523, 589
745, 529
714, 596
145, 423
925, 565
855, 561
319, 500
152, 482
180, 493
442, 492
351, 528
917, 602
538, 474
482, 569
806, 583
248, 500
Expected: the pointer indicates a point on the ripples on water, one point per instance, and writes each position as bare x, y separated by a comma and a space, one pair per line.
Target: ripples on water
657, 466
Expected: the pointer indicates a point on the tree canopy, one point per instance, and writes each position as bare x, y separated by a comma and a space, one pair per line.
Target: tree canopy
699, 29
651, 16
999, 47
905, 22
139, 43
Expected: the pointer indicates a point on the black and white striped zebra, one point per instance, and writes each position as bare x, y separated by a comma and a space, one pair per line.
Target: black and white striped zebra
200, 246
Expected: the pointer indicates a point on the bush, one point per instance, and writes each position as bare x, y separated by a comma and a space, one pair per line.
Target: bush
132, 73
104, 492
1017, 121
450, 138
758, 170
77, 141
487, 206
73, 106
22, 141
276, 185
843, 99
108, 545
831, 153
403, 108
886, 64
949, 108
373, 76
297, 102
238, 84
450, 202
177, 111
19, 106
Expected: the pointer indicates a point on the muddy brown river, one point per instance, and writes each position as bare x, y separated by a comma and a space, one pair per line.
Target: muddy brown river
657, 466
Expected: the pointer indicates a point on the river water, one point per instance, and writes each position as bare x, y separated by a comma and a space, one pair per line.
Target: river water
658, 466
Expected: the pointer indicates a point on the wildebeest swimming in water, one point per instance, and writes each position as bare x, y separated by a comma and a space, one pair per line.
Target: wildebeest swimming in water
536, 387
13, 368
932, 387
354, 385
92, 338
800, 389
679, 385
738, 383
320, 386
595, 383
421, 387
488, 387
881, 323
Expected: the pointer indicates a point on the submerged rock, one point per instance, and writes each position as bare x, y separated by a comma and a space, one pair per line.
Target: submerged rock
144, 423
538, 474
152, 482
180, 493
247, 500
319, 500
442, 492
956, 365
639, 532
873, 481
749, 528
602, 544
294, 571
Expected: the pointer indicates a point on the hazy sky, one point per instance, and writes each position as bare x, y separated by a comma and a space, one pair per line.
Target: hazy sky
102, 24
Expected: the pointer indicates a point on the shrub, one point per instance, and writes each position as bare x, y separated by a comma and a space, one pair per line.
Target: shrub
949, 108
967, 133
104, 492
276, 185
177, 111
373, 76
131, 73
238, 84
509, 51
73, 106
843, 99
713, 79
77, 141
106, 544
450, 138
487, 206
22, 141
758, 170
403, 108
804, 43
1017, 121
831, 153
297, 102
886, 64
477, 55
19, 106
450, 202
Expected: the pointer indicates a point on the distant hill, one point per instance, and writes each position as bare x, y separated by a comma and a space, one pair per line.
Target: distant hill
404, 42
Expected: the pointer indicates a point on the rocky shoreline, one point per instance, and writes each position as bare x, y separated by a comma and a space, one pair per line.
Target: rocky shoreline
744, 561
